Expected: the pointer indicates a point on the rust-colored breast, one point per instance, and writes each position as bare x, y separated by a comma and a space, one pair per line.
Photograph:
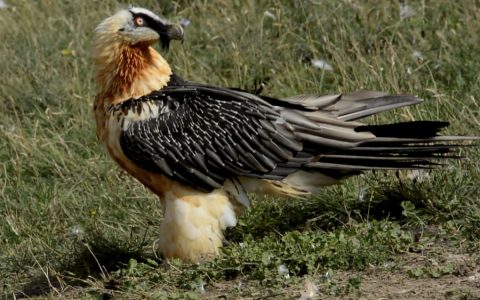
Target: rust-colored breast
123, 73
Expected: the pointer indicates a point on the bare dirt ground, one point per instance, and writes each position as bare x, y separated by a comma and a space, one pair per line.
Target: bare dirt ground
418, 276
438, 275
462, 282
399, 286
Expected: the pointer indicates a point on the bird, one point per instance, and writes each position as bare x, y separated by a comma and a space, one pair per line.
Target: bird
202, 148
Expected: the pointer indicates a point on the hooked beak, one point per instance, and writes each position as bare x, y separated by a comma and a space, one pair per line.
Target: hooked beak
175, 32
169, 32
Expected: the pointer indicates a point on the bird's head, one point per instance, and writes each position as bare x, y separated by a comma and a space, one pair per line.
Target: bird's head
139, 27
125, 64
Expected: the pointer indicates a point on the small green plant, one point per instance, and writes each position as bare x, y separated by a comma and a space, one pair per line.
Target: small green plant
432, 271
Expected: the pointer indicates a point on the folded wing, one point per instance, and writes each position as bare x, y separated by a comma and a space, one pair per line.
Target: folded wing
202, 135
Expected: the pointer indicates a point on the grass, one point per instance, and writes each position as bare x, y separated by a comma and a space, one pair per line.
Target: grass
73, 225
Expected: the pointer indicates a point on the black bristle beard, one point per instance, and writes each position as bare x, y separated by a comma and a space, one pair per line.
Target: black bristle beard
165, 42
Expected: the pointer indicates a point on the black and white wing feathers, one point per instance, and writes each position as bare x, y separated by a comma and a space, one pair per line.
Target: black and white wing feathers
204, 135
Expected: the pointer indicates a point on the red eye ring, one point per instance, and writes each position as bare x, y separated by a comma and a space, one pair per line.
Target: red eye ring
139, 21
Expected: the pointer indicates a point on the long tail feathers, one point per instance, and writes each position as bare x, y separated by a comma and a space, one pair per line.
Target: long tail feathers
337, 145
328, 142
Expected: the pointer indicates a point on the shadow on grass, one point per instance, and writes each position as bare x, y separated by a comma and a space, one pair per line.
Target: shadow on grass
39, 286
325, 212
92, 259
101, 255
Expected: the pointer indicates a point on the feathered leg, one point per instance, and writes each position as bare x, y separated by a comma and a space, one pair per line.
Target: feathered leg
193, 223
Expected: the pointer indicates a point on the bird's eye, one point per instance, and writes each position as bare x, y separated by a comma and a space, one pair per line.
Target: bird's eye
139, 21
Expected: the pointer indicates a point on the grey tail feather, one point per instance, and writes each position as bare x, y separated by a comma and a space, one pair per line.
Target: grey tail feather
359, 105
351, 106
